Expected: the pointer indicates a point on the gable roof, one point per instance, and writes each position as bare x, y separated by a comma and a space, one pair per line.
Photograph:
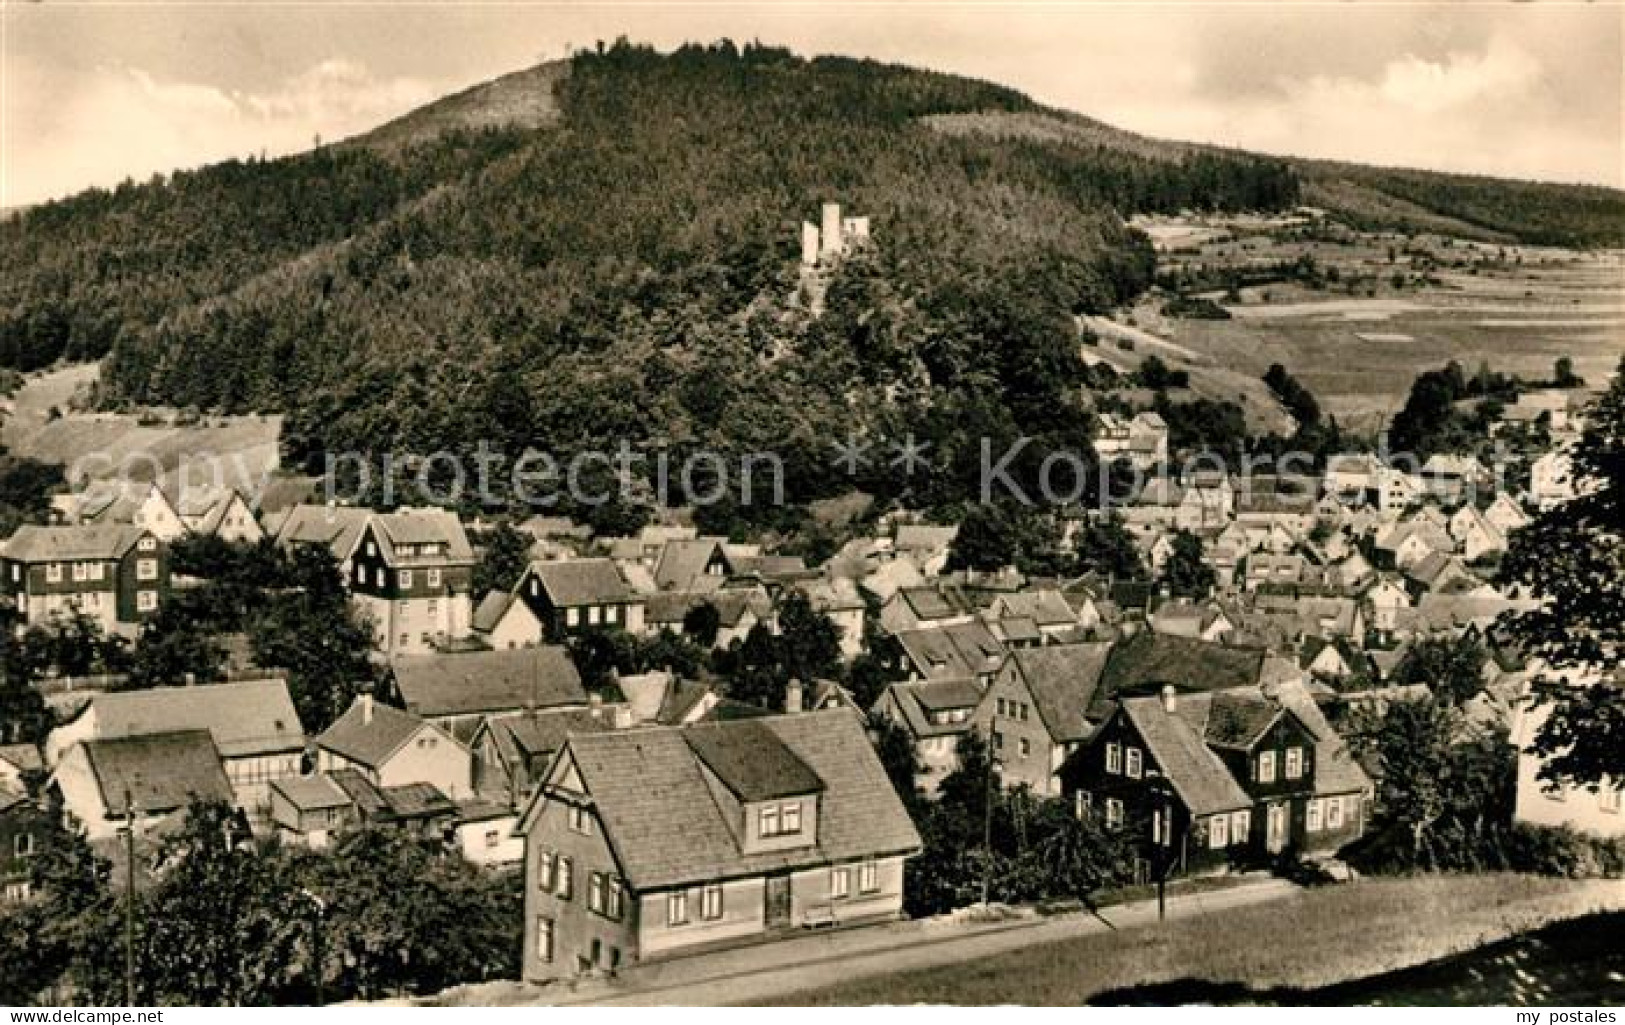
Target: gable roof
160, 771
22, 757
1149, 660
488, 681
1174, 741
1044, 606
962, 649
931, 602
422, 526
917, 699
667, 830
490, 611
681, 562
1064, 680
248, 718
33, 543
583, 582
370, 737
310, 793
531, 737
1237, 720
338, 527
751, 761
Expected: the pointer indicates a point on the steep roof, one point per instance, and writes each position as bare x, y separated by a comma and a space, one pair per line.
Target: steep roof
751, 760
916, 700
490, 610
66, 544
1064, 680
22, 757
417, 527
1045, 607
1202, 781
1149, 660
309, 793
370, 738
488, 681
963, 649
160, 771
924, 537
930, 602
1237, 720
542, 734
583, 582
667, 830
682, 561
247, 718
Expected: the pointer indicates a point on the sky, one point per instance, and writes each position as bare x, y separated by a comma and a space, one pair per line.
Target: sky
96, 91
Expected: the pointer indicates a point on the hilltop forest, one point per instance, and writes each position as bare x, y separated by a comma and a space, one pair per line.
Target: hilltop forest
627, 270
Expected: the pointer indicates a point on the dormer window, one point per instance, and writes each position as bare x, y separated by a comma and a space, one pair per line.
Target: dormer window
1133, 764
1294, 763
779, 819
1266, 767
147, 544
1114, 758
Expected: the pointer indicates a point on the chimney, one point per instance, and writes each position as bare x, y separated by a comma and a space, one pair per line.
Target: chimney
623, 717
1170, 698
366, 709
792, 697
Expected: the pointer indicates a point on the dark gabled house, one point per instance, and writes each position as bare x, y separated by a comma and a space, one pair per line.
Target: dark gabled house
116, 575
24, 825
1210, 780
648, 843
574, 596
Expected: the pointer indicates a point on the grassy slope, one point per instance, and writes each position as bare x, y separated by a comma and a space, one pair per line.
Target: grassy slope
1323, 938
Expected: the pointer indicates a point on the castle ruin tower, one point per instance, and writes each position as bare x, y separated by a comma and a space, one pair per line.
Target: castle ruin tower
830, 235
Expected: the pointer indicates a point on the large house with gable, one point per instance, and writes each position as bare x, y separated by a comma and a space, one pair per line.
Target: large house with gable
646, 844
116, 575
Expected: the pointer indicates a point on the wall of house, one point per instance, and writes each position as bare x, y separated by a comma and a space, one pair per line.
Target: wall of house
811, 893
1571, 806
575, 925
1010, 733
753, 842
743, 915
518, 628
431, 757
491, 841
74, 782
251, 777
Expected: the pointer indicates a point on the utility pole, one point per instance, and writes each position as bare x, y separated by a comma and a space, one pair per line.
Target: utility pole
129, 898
987, 827
319, 907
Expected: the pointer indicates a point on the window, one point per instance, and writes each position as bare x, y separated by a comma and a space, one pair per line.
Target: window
79, 571
580, 820
1218, 831
999, 704
840, 883
53, 573
1131, 758
146, 569
998, 741
677, 908
1026, 747
361, 574
779, 819
1241, 824
433, 577
145, 601
96, 571
406, 578
1114, 812
711, 902
597, 951
372, 548
567, 881
768, 820
1312, 817
1266, 767
23, 845
1114, 757
1608, 799
790, 818
1083, 804
594, 615
1334, 813
1294, 763
572, 617
547, 871
614, 898
595, 892
869, 877
544, 939
147, 544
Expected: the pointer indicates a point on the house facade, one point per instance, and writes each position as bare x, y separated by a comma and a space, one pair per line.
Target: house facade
116, 575
411, 573
574, 596
645, 844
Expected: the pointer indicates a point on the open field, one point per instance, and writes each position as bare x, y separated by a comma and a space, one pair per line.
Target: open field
102, 445
1319, 938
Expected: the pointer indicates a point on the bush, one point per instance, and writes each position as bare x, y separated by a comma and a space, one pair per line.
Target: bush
1561, 851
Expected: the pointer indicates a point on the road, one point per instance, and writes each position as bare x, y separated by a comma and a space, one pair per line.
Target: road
769, 970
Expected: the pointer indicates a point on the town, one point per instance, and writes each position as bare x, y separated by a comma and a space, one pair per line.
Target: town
674, 742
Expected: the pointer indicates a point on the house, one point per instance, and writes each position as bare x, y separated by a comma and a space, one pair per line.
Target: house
1354, 477
484, 834
1383, 600
1452, 478
915, 608
1531, 406
411, 572
1264, 569
504, 622
882, 582
393, 748
574, 596
1551, 480
456, 692
109, 503
1592, 810
116, 575
968, 650
510, 755
937, 714
1141, 439
1333, 658
1144, 662
1474, 534
739, 610
1505, 514
313, 810
158, 775
24, 825
837, 598
645, 844
691, 564
1036, 710
253, 724
220, 512
1407, 543
1189, 619
925, 545
1209, 780
1441, 573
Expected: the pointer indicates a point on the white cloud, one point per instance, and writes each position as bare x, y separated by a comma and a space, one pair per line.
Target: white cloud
1502, 71
119, 122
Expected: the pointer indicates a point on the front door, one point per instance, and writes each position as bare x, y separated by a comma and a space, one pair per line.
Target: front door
778, 901
1275, 833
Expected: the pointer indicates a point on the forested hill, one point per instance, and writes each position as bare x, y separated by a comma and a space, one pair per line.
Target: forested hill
608, 249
